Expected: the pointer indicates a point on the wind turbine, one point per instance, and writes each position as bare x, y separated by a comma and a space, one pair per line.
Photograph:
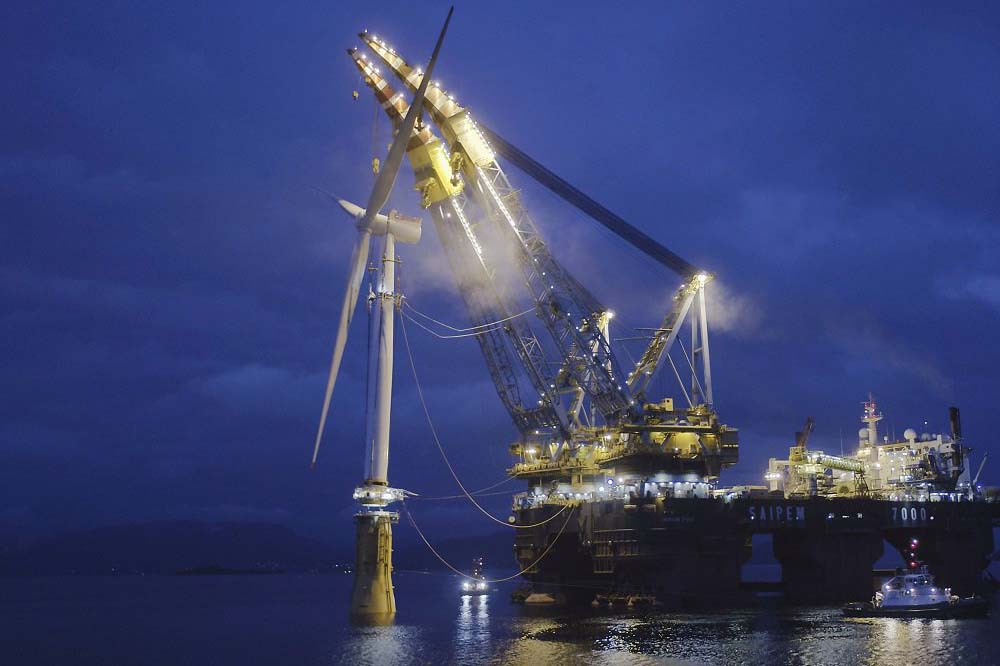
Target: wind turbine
372, 597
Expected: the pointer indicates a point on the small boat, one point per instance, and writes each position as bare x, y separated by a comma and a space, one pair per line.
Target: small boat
477, 583
914, 594
475, 587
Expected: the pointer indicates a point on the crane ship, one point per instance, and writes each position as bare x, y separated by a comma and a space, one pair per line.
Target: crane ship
622, 486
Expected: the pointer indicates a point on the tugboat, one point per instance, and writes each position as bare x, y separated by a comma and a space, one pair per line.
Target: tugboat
914, 594
478, 585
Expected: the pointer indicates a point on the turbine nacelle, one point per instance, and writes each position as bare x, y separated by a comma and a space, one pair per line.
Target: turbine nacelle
404, 229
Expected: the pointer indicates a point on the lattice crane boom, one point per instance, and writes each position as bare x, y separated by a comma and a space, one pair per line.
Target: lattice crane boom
632, 235
443, 193
694, 278
571, 314
474, 144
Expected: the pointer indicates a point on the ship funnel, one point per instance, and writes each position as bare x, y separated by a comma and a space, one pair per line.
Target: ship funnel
956, 423
956, 436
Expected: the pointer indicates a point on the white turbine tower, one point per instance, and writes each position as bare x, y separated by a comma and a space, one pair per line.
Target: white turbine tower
372, 597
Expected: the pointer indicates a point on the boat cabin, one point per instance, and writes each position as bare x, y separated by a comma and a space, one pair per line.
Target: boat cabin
912, 589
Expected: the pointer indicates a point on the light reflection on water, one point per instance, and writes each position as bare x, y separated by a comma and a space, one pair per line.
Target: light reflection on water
492, 630
472, 630
893, 641
803, 636
302, 620
386, 644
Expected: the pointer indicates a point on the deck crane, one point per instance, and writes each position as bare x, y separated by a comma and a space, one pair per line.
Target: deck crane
802, 437
627, 432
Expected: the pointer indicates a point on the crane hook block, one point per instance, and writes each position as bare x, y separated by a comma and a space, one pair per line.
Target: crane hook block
457, 162
355, 95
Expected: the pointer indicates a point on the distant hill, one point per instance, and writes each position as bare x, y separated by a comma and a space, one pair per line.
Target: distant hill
169, 547
165, 547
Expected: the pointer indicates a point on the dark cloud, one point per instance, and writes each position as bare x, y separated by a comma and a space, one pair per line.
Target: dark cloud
170, 280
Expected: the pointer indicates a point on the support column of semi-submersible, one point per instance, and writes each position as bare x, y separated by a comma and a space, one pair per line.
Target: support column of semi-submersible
372, 596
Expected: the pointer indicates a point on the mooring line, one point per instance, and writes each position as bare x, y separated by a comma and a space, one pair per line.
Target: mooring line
491, 324
448, 564
441, 335
444, 456
451, 497
481, 491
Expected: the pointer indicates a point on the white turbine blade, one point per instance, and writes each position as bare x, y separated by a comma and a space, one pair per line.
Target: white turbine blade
352, 209
390, 169
359, 259
380, 194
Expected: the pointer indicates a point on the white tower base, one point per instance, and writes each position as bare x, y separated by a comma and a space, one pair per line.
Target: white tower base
372, 599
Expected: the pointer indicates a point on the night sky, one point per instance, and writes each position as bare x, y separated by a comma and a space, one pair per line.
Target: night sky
170, 279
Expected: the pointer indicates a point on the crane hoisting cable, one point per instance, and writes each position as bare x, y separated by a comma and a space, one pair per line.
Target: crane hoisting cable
593, 209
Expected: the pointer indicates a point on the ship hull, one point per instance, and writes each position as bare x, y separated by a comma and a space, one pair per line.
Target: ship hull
685, 553
963, 608
689, 552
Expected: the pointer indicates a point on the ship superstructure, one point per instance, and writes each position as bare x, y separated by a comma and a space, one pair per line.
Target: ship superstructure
669, 453
921, 467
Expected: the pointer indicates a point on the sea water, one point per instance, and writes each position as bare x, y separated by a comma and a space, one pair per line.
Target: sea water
302, 620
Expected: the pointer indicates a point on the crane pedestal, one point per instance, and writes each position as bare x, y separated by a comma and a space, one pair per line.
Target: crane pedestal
372, 598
